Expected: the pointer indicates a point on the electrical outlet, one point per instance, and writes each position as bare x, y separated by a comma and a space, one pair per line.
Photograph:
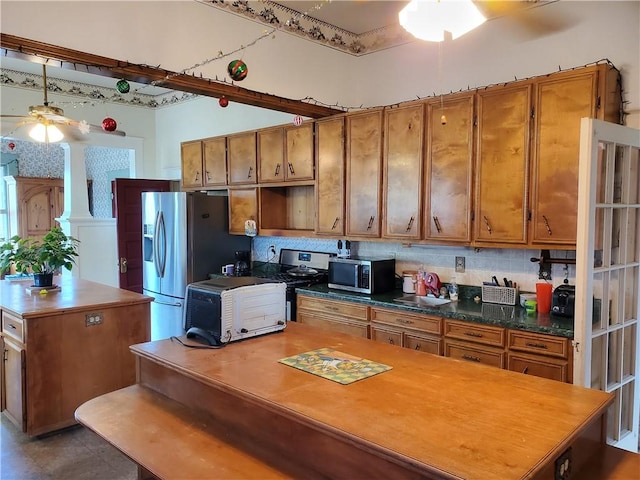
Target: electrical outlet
459, 264
563, 466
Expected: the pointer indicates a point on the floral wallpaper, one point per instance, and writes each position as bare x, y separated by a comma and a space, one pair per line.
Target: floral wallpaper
47, 160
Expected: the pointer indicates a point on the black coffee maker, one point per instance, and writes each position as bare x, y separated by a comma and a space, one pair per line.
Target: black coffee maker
242, 267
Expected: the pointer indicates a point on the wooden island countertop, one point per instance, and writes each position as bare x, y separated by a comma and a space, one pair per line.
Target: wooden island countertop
75, 294
427, 417
65, 347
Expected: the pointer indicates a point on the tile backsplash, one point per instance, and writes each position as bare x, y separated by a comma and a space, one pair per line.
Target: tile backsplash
480, 264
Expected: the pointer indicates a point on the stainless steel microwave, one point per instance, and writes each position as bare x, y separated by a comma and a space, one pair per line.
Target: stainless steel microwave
362, 275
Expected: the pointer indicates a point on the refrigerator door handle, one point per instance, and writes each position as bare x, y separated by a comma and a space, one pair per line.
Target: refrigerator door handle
156, 239
162, 242
171, 304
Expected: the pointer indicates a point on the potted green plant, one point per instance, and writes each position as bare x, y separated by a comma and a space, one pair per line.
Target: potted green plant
42, 258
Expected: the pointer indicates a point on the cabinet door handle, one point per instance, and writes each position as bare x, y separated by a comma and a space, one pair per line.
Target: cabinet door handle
11, 325
208, 175
471, 358
410, 224
473, 334
250, 172
277, 172
437, 223
335, 223
488, 225
536, 345
197, 179
370, 223
546, 224
525, 370
418, 346
334, 309
391, 342
291, 169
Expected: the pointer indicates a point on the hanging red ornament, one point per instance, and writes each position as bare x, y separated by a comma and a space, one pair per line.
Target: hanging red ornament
109, 124
224, 101
297, 120
123, 86
238, 70
12, 146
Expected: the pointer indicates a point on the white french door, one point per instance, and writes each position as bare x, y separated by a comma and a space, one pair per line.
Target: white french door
607, 333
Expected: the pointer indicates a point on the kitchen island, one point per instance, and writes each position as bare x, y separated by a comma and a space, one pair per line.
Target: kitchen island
63, 347
425, 417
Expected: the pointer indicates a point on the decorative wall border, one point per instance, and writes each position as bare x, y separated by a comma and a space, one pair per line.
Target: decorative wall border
91, 94
309, 28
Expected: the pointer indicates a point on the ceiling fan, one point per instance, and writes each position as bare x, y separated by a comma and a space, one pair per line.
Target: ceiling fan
46, 123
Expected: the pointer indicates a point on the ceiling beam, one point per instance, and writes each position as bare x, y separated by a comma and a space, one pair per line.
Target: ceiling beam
36, 51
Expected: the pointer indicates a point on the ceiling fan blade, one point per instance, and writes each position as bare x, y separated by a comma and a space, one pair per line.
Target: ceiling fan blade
95, 128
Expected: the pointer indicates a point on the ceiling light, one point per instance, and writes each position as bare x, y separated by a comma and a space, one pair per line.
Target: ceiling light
42, 132
429, 19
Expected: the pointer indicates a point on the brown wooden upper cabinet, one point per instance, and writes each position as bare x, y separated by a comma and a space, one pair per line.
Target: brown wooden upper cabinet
191, 159
243, 206
241, 158
364, 173
330, 171
448, 175
285, 153
204, 163
271, 155
402, 171
214, 161
502, 163
299, 152
561, 101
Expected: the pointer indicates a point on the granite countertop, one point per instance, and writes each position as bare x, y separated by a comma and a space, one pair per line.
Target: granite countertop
507, 316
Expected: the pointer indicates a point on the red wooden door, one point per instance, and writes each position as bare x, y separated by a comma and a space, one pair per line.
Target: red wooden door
127, 209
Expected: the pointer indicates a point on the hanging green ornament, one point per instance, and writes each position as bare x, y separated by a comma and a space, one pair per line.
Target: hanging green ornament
123, 86
238, 70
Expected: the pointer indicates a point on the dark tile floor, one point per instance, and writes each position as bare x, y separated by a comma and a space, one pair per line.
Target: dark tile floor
75, 453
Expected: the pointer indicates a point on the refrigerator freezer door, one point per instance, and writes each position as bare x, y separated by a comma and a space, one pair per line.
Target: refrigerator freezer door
166, 316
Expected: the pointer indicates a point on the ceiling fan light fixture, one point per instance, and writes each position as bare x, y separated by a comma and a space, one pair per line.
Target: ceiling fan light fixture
429, 19
42, 132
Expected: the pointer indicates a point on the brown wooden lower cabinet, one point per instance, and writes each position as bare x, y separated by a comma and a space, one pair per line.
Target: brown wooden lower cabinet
336, 324
521, 351
493, 357
539, 366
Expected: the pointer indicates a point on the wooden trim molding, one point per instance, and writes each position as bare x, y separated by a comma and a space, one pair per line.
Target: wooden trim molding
26, 49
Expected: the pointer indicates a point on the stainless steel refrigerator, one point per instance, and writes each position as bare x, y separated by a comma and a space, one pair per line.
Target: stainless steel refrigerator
184, 239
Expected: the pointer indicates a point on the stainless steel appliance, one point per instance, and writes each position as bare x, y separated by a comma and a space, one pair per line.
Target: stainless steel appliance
231, 308
184, 238
362, 275
296, 268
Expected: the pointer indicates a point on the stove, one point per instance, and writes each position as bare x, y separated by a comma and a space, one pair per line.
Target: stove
313, 268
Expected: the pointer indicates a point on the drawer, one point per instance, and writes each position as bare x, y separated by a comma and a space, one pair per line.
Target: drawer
423, 343
492, 357
380, 333
341, 325
473, 332
12, 326
424, 323
544, 367
539, 344
345, 309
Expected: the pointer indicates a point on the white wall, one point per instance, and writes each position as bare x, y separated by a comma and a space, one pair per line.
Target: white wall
180, 34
